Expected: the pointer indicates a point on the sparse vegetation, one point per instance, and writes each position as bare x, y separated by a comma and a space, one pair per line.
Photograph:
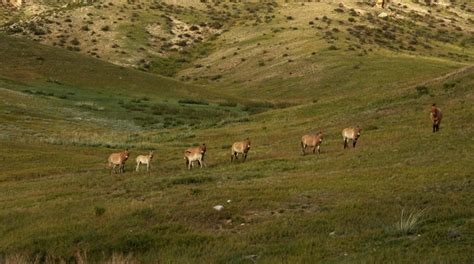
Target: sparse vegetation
249, 71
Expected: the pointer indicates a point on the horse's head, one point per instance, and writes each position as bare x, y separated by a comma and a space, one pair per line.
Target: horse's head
151, 154
320, 134
203, 148
434, 110
247, 140
125, 154
358, 130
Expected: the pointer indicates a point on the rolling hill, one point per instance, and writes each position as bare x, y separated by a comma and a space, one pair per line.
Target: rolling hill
272, 71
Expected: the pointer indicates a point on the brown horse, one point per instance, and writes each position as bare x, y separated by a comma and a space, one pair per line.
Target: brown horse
436, 115
351, 133
312, 141
242, 148
195, 154
118, 159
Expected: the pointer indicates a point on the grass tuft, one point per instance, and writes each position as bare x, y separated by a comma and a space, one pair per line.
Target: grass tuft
409, 222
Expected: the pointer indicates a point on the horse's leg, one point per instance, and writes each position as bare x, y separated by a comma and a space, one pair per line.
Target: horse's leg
138, 167
245, 157
354, 142
319, 150
345, 143
303, 147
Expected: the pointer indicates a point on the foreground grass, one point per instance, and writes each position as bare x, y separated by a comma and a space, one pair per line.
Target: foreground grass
342, 206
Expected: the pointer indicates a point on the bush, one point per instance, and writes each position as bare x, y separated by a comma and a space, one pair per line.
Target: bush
75, 42
228, 104
99, 211
193, 101
191, 180
422, 90
216, 77
135, 243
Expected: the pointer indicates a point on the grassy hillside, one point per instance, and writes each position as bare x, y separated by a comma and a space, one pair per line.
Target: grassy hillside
251, 43
271, 72
58, 201
312, 50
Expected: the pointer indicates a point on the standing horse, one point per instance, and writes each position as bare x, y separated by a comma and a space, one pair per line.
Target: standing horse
436, 115
144, 159
242, 148
195, 154
118, 159
351, 133
312, 141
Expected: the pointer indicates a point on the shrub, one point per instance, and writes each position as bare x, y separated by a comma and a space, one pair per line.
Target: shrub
191, 180
228, 104
422, 90
75, 42
216, 77
136, 243
36, 29
99, 211
193, 101
409, 222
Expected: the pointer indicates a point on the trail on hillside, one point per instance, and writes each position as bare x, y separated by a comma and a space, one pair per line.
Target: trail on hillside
442, 78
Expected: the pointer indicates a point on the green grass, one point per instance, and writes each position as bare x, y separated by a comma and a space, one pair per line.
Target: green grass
62, 115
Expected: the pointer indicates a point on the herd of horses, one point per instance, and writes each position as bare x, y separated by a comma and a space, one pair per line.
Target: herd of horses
196, 154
